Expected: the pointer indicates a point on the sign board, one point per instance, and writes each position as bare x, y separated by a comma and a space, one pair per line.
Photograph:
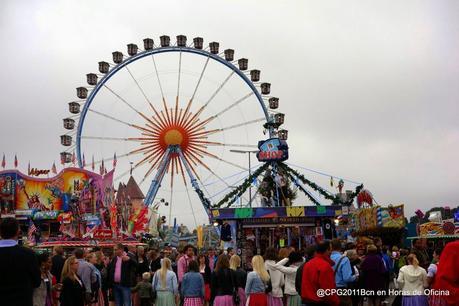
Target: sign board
306, 221
272, 149
103, 234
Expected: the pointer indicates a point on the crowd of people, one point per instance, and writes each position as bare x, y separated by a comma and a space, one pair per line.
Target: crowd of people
286, 277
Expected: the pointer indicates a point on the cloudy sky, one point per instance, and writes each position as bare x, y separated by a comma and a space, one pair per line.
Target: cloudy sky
369, 88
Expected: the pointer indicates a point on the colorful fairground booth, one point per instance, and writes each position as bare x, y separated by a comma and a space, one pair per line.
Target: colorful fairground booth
387, 223
436, 227
252, 230
74, 208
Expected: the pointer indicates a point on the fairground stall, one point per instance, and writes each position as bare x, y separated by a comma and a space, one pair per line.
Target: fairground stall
437, 227
252, 230
388, 223
75, 205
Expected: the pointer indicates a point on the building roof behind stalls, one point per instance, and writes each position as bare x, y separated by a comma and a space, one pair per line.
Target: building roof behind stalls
132, 190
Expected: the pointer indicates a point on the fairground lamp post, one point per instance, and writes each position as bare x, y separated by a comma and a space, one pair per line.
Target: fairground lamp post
250, 170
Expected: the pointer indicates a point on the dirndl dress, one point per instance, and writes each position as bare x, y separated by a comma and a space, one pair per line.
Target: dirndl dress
257, 299
207, 292
415, 300
274, 301
165, 298
192, 301
223, 300
293, 300
242, 298
437, 300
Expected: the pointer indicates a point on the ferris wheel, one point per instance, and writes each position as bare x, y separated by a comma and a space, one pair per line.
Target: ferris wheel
169, 114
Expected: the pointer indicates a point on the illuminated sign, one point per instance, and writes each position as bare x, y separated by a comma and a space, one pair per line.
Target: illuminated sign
272, 149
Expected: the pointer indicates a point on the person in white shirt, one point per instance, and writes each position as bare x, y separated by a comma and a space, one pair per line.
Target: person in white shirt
413, 280
277, 278
295, 260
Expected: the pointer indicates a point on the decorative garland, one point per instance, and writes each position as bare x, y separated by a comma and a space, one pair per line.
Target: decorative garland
203, 198
231, 197
334, 198
303, 190
303, 179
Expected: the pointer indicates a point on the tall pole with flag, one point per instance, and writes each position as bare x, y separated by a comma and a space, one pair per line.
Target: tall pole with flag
28, 168
15, 161
114, 160
93, 164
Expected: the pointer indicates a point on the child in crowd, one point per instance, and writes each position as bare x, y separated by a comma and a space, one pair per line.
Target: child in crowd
145, 289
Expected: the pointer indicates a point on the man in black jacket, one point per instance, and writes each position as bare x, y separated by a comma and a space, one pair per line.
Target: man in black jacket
19, 271
122, 276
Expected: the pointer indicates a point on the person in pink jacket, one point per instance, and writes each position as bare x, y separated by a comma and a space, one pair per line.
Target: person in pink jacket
184, 261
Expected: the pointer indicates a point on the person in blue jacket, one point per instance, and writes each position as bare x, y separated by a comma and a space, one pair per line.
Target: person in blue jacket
343, 270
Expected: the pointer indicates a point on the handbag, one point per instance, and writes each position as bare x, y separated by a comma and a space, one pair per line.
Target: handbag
236, 298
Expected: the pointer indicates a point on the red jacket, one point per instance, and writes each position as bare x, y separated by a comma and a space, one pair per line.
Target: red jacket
318, 274
447, 277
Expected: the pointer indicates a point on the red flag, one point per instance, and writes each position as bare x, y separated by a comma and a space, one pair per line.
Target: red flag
15, 161
93, 165
84, 161
53, 168
3, 161
114, 160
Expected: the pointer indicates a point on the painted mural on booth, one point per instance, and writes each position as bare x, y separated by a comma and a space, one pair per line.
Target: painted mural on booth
19, 192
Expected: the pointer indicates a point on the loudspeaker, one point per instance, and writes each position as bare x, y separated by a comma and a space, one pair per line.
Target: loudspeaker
328, 229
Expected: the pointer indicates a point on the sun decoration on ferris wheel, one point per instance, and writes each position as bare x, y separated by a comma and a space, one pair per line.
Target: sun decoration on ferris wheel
173, 137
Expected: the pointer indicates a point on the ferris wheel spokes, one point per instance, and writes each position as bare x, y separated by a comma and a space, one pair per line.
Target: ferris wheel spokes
110, 117
138, 85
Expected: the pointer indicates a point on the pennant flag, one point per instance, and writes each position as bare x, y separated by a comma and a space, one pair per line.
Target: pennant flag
53, 168
3, 161
84, 161
114, 160
93, 165
331, 181
28, 168
102, 168
73, 158
15, 161
31, 231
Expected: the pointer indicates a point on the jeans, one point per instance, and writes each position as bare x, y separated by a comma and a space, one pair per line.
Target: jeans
122, 295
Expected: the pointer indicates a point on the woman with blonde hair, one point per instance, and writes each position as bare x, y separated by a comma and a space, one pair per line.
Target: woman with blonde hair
165, 285
258, 283
72, 293
413, 280
240, 278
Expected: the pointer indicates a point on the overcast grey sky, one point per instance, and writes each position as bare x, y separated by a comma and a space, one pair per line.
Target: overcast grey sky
370, 88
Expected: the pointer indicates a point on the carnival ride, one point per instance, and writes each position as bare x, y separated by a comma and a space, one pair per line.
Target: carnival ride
177, 109
181, 120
